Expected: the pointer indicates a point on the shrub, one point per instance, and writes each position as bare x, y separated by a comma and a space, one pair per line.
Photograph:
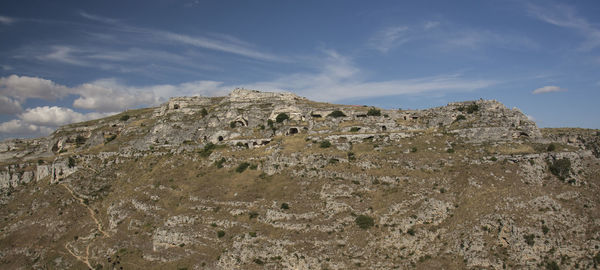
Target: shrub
552, 265
325, 144
351, 156
460, 117
337, 114
204, 112
124, 117
219, 163
364, 222
220, 234
242, 167
252, 234
281, 117
232, 124
560, 168
270, 123
529, 239
374, 112
71, 162
285, 206
413, 150
80, 140
545, 229
253, 214
411, 231
110, 138
207, 150
551, 147
354, 129
450, 150
258, 261
472, 108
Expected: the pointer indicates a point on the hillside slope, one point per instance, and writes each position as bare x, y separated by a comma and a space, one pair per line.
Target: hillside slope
260, 180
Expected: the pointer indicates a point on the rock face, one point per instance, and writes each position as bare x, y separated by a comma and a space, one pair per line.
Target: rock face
273, 180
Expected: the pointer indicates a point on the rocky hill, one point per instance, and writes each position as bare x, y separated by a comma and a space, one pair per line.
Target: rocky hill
258, 180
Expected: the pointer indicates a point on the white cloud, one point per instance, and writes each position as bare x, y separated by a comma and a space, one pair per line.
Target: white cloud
7, 67
19, 127
9, 105
6, 20
64, 54
56, 116
25, 87
565, 16
548, 89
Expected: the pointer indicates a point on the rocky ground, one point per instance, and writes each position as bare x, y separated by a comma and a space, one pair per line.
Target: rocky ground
271, 180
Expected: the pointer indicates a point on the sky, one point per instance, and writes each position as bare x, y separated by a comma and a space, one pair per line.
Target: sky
69, 61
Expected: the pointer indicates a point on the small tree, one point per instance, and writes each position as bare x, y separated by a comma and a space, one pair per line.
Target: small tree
325, 144
560, 168
364, 222
281, 117
374, 112
337, 114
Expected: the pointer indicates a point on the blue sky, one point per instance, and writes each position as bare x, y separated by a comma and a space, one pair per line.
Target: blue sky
68, 61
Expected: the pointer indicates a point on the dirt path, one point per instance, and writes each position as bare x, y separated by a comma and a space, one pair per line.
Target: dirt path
81, 201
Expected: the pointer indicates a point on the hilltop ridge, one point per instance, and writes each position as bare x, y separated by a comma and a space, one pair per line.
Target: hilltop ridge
259, 179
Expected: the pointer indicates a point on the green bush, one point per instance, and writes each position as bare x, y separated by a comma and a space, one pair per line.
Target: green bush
253, 214
551, 147
285, 206
204, 112
232, 124
560, 168
219, 163
364, 222
529, 239
472, 108
220, 234
124, 117
450, 150
374, 112
242, 167
411, 231
354, 129
110, 138
71, 162
325, 144
281, 117
552, 265
252, 234
460, 117
337, 114
270, 123
207, 150
80, 140
413, 150
351, 156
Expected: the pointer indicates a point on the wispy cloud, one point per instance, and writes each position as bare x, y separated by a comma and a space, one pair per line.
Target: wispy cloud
548, 89
219, 42
567, 17
446, 36
7, 20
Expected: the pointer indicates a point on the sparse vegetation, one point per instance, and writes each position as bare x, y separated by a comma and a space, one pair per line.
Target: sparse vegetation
374, 112
325, 144
364, 222
219, 163
124, 117
207, 150
242, 167
337, 114
529, 239
560, 168
351, 156
281, 117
